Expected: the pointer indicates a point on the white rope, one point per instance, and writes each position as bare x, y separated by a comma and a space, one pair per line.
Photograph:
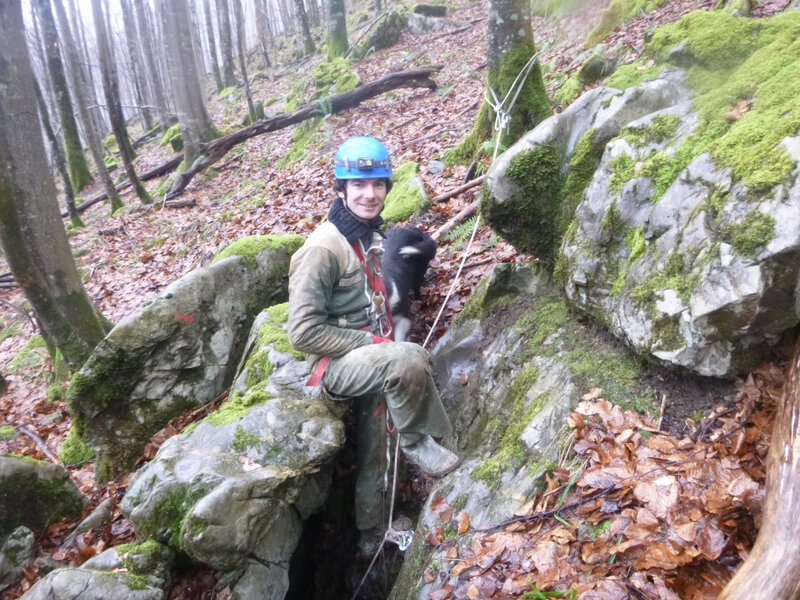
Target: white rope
403, 538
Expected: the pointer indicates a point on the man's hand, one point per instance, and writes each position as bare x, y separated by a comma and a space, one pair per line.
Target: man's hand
376, 339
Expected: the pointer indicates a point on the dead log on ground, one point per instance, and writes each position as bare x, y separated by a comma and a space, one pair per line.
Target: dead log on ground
463, 188
212, 151
462, 216
772, 570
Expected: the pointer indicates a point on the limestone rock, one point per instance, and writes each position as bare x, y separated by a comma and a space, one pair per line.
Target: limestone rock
35, 493
86, 584
16, 551
177, 351
525, 182
225, 492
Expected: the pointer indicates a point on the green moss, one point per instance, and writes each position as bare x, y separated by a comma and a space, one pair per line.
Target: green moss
674, 276
228, 92
271, 334
582, 165
242, 440
616, 14
56, 391
10, 331
149, 549
751, 235
621, 168
636, 245
570, 90
136, 582
170, 513
613, 222
659, 130
249, 247
530, 220
172, 137
731, 59
32, 355
74, 450
236, 407
632, 75
406, 197
667, 335
303, 134
510, 451
7, 433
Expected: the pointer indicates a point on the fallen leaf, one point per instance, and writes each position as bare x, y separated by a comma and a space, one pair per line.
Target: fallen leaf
464, 521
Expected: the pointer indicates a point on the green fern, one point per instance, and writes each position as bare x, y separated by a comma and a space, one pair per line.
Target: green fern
460, 232
537, 594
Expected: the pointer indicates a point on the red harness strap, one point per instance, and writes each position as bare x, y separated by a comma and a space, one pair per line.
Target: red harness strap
378, 287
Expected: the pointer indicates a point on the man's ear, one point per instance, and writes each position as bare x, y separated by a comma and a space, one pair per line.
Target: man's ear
341, 195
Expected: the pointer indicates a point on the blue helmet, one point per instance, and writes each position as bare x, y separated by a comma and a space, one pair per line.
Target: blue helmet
362, 157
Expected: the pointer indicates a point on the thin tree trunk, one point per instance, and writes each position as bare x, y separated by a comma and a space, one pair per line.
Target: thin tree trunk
237, 15
772, 570
76, 73
263, 32
212, 45
90, 93
224, 23
111, 90
146, 44
79, 172
58, 156
134, 59
306, 42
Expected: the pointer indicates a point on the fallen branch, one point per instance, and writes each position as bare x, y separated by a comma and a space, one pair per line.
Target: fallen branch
211, 152
39, 442
469, 185
462, 216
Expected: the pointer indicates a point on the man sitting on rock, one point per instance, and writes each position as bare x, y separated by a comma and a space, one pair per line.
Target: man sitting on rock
339, 317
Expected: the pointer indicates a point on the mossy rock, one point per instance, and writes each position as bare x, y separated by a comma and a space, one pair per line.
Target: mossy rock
430, 10
407, 196
388, 31
35, 494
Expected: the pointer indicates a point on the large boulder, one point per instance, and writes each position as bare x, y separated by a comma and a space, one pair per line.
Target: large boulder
35, 493
511, 369
529, 201
16, 551
87, 584
177, 351
233, 491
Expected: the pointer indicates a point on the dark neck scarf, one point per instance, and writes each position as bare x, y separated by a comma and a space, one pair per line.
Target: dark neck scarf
349, 225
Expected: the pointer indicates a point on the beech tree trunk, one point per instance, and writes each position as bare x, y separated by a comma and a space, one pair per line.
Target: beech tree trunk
773, 568
510, 47
337, 28
196, 126
87, 74
212, 45
224, 24
262, 27
31, 232
81, 87
79, 172
115, 114
305, 41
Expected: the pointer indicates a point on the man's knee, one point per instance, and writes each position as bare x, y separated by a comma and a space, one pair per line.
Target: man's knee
410, 359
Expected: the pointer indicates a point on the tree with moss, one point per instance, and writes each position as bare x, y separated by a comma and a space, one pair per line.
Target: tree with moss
305, 43
80, 84
196, 125
108, 72
337, 28
510, 47
32, 233
79, 172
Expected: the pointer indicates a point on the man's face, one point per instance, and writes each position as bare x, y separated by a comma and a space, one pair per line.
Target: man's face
365, 197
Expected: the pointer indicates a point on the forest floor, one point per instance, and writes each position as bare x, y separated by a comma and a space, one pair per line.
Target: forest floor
127, 258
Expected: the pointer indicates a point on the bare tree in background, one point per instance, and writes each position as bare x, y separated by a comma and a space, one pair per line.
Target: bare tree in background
134, 62
115, 113
212, 45
224, 24
305, 41
337, 28
252, 115
79, 173
79, 84
146, 43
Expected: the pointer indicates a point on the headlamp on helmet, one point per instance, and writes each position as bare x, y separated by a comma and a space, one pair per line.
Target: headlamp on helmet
362, 157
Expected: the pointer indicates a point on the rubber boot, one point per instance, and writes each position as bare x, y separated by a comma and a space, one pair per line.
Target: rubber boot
431, 458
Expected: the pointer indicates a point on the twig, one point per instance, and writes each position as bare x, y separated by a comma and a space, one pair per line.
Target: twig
458, 190
403, 124
39, 443
478, 263
430, 135
462, 216
17, 308
661, 411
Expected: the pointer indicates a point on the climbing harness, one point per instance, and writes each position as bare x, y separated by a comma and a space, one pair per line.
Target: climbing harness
403, 538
